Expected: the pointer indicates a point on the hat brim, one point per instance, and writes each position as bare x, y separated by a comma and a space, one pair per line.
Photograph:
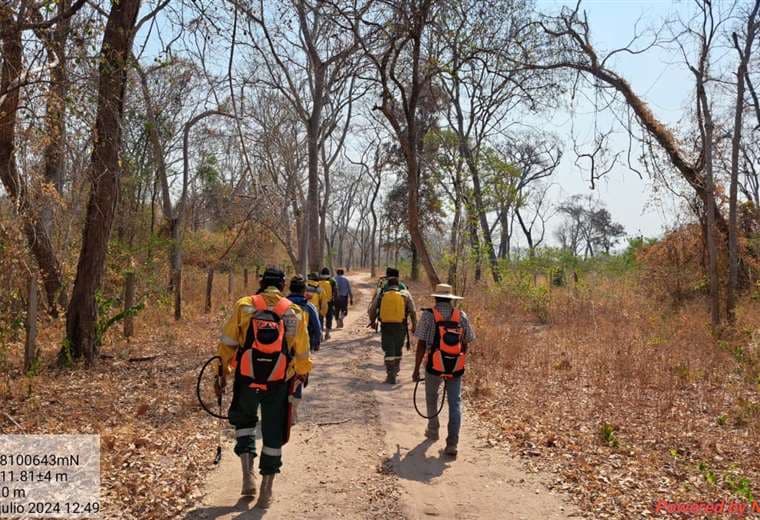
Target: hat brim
448, 296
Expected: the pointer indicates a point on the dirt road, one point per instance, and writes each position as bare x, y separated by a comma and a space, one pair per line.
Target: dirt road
359, 452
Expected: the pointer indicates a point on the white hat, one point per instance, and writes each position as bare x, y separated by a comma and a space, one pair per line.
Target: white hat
444, 290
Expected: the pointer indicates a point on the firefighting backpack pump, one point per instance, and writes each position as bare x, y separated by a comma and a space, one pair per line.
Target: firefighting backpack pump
446, 358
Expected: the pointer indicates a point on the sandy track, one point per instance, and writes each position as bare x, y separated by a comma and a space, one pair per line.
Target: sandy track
359, 452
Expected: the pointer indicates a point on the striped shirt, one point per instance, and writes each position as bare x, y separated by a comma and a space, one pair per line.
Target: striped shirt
426, 325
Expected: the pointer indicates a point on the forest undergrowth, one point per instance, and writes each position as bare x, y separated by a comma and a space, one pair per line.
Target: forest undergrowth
157, 445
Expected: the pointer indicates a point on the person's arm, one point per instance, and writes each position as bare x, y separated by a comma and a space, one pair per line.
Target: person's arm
315, 327
298, 340
411, 311
228, 343
419, 356
469, 333
372, 311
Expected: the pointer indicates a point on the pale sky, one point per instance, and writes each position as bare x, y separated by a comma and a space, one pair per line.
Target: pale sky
656, 76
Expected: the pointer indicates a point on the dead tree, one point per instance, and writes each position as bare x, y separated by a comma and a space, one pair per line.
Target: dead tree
305, 71
570, 48
745, 54
13, 78
396, 39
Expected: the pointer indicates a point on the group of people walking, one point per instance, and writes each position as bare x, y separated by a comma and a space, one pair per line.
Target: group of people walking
443, 335
266, 348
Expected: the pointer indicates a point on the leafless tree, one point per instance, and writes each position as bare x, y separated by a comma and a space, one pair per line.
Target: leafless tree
745, 54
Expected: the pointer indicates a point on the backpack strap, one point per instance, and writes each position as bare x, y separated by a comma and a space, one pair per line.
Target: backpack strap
456, 316
437, 315
282, 307
259, 303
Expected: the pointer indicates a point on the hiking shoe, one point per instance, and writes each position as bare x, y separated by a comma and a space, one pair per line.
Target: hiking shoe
249, 476
265, 493
451, 450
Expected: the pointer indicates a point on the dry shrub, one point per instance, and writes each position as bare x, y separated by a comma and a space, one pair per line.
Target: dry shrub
614, 359
674, 266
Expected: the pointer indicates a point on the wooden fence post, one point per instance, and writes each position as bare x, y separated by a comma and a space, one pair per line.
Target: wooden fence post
30, 347
178, 294
129, 302
209, 288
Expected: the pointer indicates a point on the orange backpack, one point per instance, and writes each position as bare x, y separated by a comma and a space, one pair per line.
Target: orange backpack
447, 357
264, 357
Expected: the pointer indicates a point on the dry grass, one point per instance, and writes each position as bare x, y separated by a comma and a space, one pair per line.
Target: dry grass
156, 443
627, 402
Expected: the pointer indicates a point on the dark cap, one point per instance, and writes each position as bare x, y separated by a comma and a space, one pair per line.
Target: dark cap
326, 270
273, 277
297, 284
313, 276
391, 272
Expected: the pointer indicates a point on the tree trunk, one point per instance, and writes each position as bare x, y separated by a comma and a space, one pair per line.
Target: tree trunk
178, 294
30, 346
34, 228
323, 214
81, 318
129, 302
710, 208
55, 120
415, 274
454, 243
315, 247
475, 243
481, 214
413, 222
733, 245
209, 289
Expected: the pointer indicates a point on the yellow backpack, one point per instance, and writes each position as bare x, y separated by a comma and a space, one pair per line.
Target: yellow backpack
392, 307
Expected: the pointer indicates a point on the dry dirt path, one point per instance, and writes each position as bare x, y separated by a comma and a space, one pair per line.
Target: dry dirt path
359, 452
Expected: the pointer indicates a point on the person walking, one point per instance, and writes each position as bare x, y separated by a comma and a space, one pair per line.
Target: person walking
298, 296
317, 297
394, 308
343, 297
328, 286
265, 346
444, 335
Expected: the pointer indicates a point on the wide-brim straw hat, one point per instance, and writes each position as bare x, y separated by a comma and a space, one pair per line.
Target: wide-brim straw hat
444, 290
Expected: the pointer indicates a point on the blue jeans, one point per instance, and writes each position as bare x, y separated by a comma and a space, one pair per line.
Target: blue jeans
454, 398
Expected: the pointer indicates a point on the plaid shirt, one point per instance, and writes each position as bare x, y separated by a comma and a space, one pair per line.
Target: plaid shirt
426, 325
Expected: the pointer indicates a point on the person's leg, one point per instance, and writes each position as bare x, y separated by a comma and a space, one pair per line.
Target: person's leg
273, 416
432, 384
243, 416
329, 317
385, 342
454, 397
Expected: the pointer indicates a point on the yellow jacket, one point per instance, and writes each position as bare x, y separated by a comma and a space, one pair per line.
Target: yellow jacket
318, 298
296, 332
327, 287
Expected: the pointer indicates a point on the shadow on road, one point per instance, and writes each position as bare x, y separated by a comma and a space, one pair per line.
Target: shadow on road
416, 464
212, 512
